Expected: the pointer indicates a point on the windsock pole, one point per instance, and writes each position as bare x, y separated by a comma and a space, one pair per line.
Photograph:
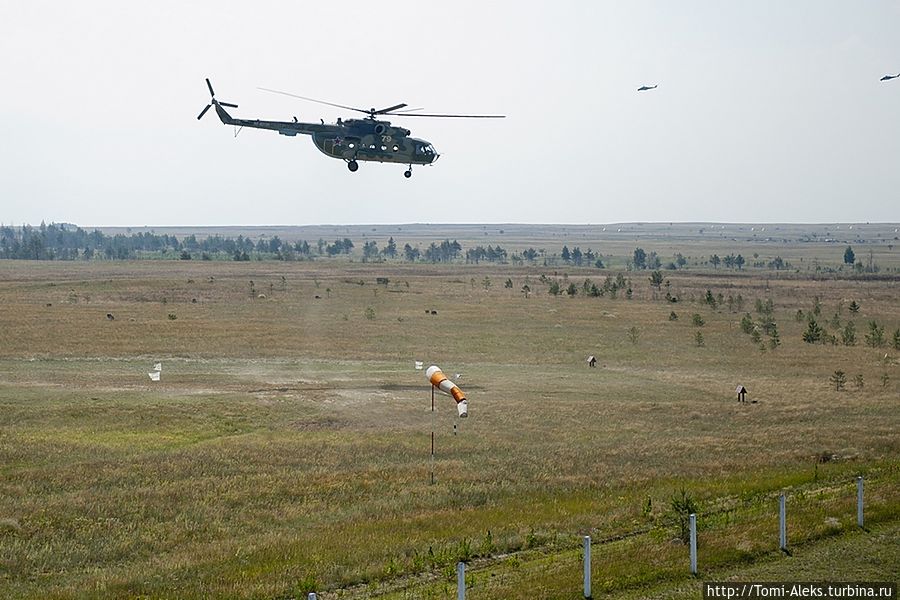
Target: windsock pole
437, 379
432, 435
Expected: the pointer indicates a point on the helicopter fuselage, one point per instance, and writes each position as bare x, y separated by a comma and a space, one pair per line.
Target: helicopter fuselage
351, 140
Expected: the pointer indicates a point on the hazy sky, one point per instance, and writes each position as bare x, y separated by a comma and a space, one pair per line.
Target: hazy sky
766, 111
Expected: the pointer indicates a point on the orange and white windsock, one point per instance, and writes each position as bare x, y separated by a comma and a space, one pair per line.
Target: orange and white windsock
440, 381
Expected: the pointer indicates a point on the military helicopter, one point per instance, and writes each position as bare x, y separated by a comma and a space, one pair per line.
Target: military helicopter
353, 140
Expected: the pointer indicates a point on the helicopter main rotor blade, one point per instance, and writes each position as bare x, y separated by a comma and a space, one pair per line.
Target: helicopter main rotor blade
228, 104
387, 110
407, 114
203, 112
314, 100
209, 85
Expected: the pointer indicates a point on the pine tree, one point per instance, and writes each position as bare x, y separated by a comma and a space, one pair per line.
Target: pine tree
849, 256
813, 332
839, 379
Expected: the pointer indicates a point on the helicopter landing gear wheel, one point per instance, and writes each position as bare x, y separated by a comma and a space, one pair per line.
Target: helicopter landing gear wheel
353, 166
408, 173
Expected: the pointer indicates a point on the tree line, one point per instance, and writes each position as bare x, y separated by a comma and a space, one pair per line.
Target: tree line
68, 242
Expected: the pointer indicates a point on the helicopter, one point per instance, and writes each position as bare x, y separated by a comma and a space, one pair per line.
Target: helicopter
353, 140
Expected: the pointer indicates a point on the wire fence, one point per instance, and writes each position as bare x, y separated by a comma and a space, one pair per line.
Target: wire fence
802, 514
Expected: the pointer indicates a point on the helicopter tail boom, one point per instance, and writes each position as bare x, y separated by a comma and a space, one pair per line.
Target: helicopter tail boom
223, 114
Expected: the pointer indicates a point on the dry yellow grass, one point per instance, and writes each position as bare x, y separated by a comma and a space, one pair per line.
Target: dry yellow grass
286, 446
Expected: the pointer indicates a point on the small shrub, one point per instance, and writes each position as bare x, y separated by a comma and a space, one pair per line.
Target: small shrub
839, 380
633, 334
848, 335
875, 337
673, 316
747, 324
464, 551
370, 313
647, 507
682, 506
487, 545
698, 339
697, 320
172, 316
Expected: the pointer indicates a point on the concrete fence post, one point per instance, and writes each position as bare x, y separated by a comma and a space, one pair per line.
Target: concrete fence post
460, 581
782, 523
859, 501
312, 596
693, 544
587, 566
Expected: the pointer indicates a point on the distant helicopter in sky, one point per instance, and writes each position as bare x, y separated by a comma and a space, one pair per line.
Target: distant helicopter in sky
368, 139
644, 88
888, 77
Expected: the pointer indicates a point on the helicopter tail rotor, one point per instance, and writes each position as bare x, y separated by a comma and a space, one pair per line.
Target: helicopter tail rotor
213, 101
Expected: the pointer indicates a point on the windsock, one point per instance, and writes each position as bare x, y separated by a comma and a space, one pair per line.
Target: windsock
440, 381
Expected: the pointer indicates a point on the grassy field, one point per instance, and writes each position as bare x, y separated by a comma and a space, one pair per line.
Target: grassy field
286, 447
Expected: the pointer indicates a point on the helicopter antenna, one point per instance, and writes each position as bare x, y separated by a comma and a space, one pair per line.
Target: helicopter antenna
212, 100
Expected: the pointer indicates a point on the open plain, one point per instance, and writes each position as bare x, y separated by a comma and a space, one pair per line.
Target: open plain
286, 447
